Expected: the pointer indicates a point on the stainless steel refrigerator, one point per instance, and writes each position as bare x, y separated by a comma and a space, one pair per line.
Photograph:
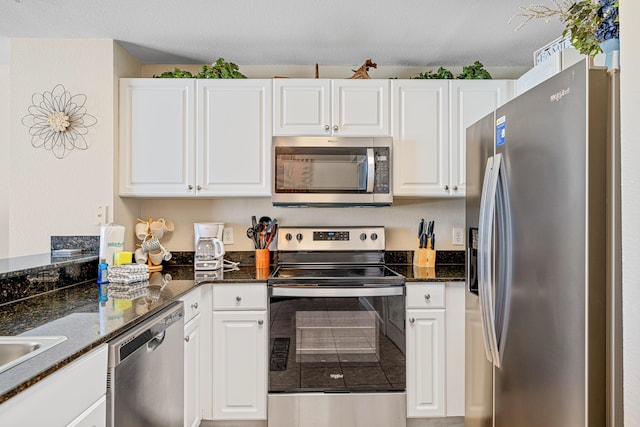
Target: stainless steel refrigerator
537, 287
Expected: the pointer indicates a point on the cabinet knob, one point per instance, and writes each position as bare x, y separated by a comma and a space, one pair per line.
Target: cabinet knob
446, 188
199, 187
238, 298
335, 128
260, 322
455, 188
190, 187
412, 320
327, 127
194, 305
427, 296
186, 339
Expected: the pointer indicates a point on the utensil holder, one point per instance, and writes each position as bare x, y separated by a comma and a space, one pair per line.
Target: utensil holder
424, 257
262, 273
263, 258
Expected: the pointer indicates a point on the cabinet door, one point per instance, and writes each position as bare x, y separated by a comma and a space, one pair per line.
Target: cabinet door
239, 365
192, 406
234, 138
66, 396
302, 107
425, 363
470, 101
157, 137
420, 138
360, 107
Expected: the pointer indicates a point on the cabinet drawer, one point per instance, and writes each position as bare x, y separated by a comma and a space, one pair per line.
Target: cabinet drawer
240, 297
423, 295
192, 304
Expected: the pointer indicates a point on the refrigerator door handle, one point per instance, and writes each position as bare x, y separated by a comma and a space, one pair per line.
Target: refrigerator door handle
504, 253
485, 264
483, 268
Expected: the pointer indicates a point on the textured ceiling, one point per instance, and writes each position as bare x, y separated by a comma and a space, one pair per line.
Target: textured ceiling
292, 32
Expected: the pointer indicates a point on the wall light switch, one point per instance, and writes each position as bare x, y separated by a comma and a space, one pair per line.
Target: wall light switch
458, 237
227, 236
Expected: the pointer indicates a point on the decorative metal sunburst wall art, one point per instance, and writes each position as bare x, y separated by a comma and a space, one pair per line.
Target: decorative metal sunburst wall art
58, 121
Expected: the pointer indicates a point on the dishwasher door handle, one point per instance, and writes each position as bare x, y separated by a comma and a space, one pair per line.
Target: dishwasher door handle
156, 341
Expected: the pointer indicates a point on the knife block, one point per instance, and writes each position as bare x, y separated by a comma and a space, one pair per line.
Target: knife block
424, 257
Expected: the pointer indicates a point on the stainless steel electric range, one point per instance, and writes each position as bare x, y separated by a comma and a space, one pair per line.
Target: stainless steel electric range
337, 328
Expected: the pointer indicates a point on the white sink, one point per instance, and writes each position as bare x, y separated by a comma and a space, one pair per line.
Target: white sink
17, 349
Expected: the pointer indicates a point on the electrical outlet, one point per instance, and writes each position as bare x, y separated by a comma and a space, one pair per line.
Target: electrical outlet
100, 215
458, 237
227, 236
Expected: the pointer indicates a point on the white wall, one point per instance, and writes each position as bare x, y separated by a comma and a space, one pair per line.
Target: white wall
401, 219
5, 163
630, 139
51, 196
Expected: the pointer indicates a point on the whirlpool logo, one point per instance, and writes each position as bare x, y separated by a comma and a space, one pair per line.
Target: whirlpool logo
556, 97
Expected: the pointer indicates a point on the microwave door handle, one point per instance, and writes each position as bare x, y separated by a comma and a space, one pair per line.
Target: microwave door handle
371, 169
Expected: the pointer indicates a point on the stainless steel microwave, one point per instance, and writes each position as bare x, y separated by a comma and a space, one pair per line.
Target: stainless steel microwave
330, 171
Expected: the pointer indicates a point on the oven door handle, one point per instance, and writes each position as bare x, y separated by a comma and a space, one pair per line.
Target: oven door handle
335, 291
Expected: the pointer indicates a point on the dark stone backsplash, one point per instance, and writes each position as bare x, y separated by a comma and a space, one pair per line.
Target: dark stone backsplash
390, 257
38, 281
86, 243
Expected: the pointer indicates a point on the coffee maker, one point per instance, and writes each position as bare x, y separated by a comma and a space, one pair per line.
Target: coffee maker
209, 249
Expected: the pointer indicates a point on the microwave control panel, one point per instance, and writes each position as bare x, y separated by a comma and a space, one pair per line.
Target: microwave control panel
382, 170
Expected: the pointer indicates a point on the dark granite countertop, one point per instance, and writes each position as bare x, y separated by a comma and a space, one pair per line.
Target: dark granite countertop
88, 319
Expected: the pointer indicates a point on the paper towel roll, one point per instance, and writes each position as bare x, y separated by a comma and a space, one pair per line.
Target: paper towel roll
111, 241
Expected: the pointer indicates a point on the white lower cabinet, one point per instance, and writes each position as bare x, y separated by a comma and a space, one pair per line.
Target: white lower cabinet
455, 333
435, 349
240, 352
73, 396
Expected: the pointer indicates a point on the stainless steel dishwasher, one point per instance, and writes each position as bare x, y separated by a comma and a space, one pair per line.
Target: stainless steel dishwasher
145, 380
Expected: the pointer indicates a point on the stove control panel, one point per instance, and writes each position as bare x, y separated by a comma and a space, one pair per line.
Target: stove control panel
331, 238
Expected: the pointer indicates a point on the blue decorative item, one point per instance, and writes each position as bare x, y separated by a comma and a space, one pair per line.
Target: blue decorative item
608, 33
609, 28
611, 49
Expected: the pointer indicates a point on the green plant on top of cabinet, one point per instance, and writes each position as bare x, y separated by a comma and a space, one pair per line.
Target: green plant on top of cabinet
430, 118
187, 137
341, 107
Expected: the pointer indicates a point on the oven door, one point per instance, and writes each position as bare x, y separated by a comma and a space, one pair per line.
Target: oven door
336, 339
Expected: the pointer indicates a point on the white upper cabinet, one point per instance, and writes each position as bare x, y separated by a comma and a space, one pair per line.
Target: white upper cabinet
187, 137
470, 101
341, 107
430, 118
420, 137
234, 135
157, 137
302, 107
